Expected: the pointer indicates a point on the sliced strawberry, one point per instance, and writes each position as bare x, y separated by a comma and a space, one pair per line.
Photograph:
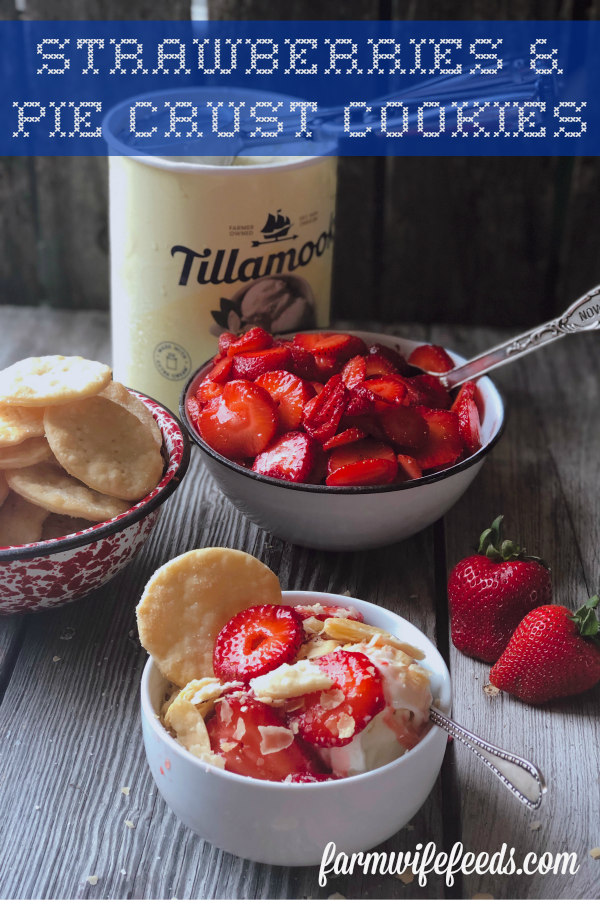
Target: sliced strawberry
319, 470
303, 363
193, 408
252, 365
354, 371
364, 473
291, 457
327, 367
361, 684
378, 366
322, 414
389, 391
240, 728
290, 393
221, 370
408, 468
444, 444
405, 426
241, 422
333, 345
414, 395
392, 356
352, 453
466, 391
256, 641
432, 391
310, 341
349, 436
329, 612
225, 341
432, 358
327, 343
368, 423
469, 425
360, 401
208, 390
318, 386
254, 340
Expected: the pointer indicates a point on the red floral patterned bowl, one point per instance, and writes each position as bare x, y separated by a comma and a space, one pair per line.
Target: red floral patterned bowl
51, 573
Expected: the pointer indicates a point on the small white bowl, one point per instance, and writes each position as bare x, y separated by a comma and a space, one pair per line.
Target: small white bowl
348, 518
291, 824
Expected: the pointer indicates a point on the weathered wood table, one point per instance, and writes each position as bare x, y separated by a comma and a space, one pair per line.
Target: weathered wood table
70, 735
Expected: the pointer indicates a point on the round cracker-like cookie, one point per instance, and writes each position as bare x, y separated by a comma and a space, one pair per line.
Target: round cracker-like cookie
57, 526
20, 521
105, 446
46, 485
29, 453
17, 423
4, 488
118, 393
49, 380
190, 599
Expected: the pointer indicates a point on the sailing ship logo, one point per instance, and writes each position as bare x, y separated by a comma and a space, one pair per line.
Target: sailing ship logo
276, 229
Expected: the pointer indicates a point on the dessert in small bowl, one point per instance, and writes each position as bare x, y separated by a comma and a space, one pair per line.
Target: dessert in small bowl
85, 465
344, 445
334, 745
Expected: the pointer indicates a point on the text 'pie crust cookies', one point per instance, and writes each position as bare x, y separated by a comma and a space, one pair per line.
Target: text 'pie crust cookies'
48, 486
105, 446
190, 599
48, 380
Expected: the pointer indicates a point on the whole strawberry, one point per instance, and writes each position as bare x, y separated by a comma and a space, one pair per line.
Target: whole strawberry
491, 591
553, 653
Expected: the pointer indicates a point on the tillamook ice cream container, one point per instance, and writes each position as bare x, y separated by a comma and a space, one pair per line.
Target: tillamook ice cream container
199, 248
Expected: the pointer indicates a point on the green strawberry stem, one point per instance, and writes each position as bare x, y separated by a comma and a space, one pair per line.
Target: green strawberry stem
586, 619
507, 551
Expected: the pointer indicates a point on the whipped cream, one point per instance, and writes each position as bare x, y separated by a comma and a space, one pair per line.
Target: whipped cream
398, 727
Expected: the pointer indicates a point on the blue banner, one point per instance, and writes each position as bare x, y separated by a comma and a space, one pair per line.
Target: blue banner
186, 89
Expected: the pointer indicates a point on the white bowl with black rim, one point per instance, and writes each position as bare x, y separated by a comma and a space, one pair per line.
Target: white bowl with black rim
47, 574
348, 518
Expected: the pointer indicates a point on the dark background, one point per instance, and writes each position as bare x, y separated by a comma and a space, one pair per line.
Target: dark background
483, 241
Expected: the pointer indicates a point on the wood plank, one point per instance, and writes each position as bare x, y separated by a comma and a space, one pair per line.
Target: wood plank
107, 9
467, 239
19, 279
223, 10
80, 734
539, 476
580, 256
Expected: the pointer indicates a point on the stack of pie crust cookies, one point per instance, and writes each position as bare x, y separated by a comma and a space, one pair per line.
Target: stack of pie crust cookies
76, 448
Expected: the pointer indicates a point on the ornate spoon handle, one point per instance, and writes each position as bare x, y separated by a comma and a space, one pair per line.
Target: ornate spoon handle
519, 775
583, 315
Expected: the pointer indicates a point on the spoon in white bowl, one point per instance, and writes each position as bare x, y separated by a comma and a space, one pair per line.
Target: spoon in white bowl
519, 775
583, 315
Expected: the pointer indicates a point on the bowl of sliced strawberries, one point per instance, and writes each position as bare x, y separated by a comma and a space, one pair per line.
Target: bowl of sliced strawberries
339, 440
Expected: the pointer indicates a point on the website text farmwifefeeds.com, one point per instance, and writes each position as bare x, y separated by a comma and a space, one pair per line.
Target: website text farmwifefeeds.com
426, 860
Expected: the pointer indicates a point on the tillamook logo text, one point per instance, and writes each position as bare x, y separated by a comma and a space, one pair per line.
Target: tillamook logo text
220, 268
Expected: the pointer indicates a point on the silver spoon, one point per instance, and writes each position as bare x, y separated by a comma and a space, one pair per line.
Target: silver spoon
517, 774
583, 315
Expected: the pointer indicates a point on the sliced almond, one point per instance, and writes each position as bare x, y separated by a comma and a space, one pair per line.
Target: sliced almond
315, 648
312, 625
288, 681
347, 630
187, 723
274, 738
